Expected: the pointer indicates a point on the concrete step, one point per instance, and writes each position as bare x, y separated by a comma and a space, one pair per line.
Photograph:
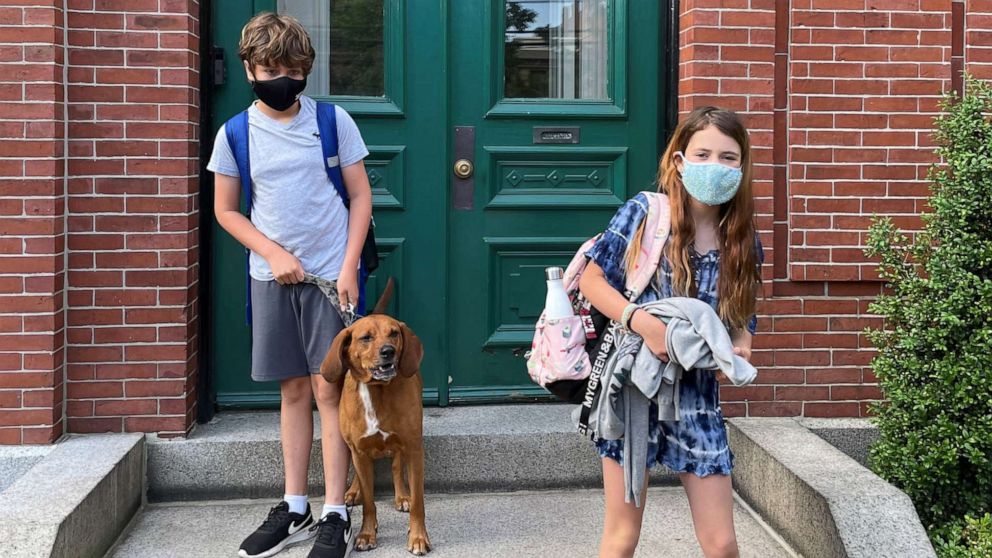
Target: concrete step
495, 448
76, 499
562, 524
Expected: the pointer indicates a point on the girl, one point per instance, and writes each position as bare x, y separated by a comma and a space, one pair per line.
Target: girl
713, 254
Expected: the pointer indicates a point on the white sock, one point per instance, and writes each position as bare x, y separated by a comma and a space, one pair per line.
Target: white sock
340, 509
297, 504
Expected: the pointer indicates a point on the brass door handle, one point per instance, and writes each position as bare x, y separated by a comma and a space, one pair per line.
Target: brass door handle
464, 168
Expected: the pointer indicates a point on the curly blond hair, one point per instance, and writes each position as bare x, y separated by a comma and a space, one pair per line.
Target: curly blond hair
271, 39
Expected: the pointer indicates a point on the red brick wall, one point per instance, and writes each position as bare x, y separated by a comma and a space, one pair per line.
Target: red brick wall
864, 87
32, 221
98, 217
840, 97
133, 95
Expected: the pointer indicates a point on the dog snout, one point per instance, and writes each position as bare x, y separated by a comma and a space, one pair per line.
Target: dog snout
387, 352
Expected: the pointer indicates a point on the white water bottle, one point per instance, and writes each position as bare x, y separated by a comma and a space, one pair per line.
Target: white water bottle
556, 305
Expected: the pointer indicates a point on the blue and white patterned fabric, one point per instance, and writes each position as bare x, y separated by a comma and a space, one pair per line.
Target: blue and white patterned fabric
697, 443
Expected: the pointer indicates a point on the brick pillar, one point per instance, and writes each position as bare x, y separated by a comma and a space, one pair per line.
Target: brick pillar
974, 19
32, 217
133, 238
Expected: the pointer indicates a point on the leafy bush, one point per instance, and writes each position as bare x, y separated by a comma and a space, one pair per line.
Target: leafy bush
971, 539
934, 361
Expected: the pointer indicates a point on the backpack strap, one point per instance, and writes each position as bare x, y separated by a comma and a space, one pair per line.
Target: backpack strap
327, 127
658, 220
236, 130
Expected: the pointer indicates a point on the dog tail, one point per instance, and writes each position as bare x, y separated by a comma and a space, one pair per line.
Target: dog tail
387, 294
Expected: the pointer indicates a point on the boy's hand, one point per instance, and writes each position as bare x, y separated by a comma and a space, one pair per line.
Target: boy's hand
286, 268
348, 287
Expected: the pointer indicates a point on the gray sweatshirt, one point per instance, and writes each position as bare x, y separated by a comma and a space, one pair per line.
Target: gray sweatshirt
696, 339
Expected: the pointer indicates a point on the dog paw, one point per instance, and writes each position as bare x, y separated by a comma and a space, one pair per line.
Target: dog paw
402, 503
418, 544
352, 498
366, 541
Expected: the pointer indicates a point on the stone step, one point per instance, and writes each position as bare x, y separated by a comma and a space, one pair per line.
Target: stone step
557, 524
75, 499
496, 448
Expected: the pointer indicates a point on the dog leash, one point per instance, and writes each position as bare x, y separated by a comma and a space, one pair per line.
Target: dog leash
330, 290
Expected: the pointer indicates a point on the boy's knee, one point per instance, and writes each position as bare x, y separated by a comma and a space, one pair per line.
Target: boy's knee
327, 393
296, 390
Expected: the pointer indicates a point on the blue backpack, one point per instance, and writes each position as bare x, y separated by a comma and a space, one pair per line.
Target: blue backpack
236, 130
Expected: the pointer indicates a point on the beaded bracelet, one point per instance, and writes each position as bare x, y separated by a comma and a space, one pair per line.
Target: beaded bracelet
625, 318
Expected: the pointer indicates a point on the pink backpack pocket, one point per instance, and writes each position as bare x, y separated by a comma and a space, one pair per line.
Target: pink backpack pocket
559, 351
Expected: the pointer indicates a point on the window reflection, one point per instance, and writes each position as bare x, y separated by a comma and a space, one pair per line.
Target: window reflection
348, 38
556, 49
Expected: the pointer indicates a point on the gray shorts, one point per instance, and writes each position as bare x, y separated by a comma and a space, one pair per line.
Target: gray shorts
293, 326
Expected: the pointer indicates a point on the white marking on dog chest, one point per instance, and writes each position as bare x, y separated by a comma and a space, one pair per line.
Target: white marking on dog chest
371, 421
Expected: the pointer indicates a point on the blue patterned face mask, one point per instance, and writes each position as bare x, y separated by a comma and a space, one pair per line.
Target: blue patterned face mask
710, 183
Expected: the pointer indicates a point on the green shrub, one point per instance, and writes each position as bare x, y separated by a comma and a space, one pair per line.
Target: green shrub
970, 539
934, 361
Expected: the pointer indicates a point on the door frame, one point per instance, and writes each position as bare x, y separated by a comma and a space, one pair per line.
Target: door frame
206, 398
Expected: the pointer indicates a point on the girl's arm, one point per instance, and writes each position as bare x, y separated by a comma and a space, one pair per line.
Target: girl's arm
606, 299
286, 268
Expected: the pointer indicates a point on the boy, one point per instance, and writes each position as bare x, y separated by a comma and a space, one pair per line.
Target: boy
298, 223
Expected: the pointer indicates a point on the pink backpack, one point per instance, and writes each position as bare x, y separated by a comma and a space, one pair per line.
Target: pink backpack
558, 359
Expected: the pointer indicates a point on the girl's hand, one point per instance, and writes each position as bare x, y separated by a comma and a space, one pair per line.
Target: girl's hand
347, 287
743, 352
653, 331
286, 268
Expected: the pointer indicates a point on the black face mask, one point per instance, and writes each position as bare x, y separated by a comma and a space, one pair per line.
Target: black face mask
279, 93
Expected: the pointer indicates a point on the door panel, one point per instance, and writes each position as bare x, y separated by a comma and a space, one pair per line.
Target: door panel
553, 163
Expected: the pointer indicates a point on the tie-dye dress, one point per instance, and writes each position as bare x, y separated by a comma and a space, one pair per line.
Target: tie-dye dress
697, 443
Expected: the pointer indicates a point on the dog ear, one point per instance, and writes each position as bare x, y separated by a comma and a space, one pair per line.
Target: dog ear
413, 352
337, 362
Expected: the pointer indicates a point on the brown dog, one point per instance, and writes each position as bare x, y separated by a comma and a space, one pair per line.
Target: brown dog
382, 415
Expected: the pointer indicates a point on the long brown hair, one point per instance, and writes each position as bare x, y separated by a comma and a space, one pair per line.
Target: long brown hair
739, 280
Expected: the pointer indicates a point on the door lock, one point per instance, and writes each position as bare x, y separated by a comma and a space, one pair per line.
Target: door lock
464, 168
463, 183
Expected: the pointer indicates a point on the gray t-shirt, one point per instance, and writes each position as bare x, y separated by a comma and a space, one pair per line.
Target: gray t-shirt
293, 202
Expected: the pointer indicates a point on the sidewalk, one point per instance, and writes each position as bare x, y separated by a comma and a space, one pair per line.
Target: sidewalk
562, 524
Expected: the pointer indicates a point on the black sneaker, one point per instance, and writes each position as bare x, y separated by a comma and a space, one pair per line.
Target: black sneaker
334, 537
280, 529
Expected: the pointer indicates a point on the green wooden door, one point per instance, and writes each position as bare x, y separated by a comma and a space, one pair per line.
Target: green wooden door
562, 97
373, 59
556, 106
